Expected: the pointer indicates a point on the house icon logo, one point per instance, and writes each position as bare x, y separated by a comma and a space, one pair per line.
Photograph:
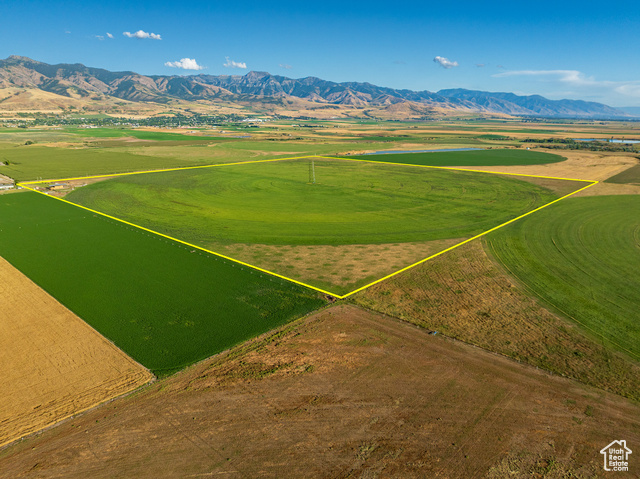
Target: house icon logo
616, 456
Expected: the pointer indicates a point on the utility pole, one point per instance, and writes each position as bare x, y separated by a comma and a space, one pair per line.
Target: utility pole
312, 173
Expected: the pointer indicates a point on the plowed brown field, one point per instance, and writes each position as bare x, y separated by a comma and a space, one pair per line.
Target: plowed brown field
53, 364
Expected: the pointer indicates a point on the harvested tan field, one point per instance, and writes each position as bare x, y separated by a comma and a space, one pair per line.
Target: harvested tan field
53, 364
465, 295
580, 165
343, 393
342, 265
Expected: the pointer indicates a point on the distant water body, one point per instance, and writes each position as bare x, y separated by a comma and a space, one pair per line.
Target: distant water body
388, 152
607, 140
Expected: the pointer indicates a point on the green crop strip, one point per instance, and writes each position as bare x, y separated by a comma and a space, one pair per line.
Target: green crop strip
163, 303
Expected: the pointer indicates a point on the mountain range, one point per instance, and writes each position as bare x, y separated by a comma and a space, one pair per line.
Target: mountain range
64, 83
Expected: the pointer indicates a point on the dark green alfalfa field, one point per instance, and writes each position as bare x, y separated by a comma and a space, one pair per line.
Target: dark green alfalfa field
163, 303
487, 157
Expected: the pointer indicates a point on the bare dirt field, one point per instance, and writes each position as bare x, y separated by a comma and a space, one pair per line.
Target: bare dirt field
343, 393
53, 364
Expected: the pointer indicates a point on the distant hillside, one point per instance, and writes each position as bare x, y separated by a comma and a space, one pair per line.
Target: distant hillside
269, 93
631, 110
533, 105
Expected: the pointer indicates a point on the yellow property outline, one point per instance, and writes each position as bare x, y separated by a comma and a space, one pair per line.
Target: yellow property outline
338, 296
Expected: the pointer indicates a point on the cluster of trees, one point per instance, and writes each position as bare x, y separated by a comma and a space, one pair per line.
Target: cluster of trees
569, 144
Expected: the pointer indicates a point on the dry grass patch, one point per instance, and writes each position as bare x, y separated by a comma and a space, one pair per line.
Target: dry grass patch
345, 266
465, 295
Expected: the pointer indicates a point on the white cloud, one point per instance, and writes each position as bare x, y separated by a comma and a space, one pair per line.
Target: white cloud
185, 64
445, 62
232, 64
102, 37
142, 34
285, 66
567, 76
631, 89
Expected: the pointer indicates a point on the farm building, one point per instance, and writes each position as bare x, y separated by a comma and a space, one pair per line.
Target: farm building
6, 183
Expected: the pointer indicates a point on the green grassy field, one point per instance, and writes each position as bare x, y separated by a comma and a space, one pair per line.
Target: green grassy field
33, 162
467, 158
163, 304
351, 203
125, 132
582, 257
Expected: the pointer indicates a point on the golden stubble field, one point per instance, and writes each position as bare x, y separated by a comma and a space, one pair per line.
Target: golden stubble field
53, 364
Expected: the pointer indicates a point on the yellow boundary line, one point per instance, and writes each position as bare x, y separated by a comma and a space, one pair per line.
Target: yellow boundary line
591, 183
466, 241
449, 168
162, 170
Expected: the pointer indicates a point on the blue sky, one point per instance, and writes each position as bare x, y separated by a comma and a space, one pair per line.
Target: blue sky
586, 50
